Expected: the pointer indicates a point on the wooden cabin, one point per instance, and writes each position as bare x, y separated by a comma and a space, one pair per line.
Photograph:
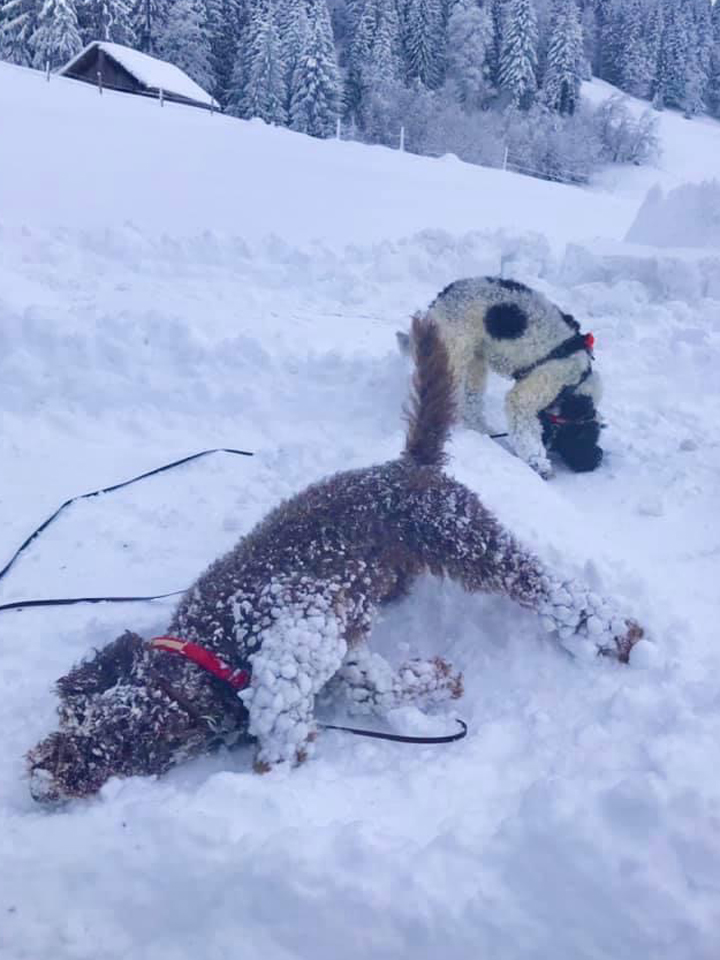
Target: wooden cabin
112, 66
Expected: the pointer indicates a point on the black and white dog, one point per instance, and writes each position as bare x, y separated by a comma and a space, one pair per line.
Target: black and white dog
490, 323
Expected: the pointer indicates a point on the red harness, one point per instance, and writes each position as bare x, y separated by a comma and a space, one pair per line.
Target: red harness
236, 677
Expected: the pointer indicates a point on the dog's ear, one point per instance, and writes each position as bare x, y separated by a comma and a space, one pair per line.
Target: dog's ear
403, 342
102, 671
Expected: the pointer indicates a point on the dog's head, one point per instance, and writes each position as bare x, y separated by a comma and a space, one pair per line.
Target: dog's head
121, 716
575, 438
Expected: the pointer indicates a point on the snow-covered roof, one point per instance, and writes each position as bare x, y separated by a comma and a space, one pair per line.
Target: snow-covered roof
149, 71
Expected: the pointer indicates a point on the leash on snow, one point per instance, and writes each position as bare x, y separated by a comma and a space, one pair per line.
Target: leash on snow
68, 601
398, 737
204, 658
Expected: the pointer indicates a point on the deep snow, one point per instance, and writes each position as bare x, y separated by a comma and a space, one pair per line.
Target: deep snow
173, 281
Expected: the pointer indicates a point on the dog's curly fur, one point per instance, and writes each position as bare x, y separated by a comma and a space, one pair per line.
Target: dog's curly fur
294, 602
492, 323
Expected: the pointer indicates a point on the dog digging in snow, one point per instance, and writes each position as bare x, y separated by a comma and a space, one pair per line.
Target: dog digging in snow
490, 323
288, 612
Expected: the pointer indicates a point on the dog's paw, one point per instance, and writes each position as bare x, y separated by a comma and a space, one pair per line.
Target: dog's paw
542, 466
623, 643
449, 682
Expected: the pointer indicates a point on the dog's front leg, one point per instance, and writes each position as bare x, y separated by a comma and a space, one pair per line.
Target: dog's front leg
523, 404
299, 653
371, 685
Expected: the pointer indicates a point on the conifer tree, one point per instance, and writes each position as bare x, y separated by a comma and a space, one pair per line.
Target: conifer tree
713, 87
374, 60
147, 18
258, 85
18, 21
223, 29
106, 20
678, 80
498, 11
424, 42
184, 41
518, 61
315, 103
636, 55
56, 38
294, 38
470, 49
608, 40
561, 86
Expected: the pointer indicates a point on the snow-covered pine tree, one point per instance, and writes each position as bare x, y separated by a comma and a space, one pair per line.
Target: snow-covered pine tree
315, 103
258, 85
605, 63
497, 10
224, 23
18, 20
424, 42
470, 44
701, 15
374, 61
713, 87
679, 80
563, 68
697, 64
518, 60
637, 55
56, 38
184, 41
294, 38
106, 20
147, 18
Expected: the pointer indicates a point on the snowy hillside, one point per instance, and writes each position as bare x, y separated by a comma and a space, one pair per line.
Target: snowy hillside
171, 281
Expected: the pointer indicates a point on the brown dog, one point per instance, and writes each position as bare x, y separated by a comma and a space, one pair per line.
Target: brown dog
269, 625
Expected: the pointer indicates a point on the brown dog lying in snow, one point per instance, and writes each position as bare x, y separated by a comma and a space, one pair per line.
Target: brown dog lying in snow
289, 610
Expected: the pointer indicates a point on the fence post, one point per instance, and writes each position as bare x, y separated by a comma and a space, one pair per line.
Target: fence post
505, 158
402, 139
161, 97
338, 128
99, 79
47, 70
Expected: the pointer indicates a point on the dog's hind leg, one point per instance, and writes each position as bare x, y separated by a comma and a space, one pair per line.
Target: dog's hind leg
371, 685
457, 536
474, 393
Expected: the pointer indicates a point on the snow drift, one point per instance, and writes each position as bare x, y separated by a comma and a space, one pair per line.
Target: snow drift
688, 216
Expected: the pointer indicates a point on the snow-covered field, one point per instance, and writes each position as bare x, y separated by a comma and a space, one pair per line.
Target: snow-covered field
171, 281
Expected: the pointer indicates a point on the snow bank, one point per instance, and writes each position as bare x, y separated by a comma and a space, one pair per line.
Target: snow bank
688, 216
680, 274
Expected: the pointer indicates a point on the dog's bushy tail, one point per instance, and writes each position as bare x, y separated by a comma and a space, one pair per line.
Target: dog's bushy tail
431, 410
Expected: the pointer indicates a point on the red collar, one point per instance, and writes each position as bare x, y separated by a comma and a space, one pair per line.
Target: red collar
236, 677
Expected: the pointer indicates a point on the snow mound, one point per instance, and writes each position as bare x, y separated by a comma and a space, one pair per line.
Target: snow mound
688, 216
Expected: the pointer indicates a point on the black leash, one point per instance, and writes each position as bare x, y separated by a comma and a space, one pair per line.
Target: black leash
397, 737
20, 604
69, 601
